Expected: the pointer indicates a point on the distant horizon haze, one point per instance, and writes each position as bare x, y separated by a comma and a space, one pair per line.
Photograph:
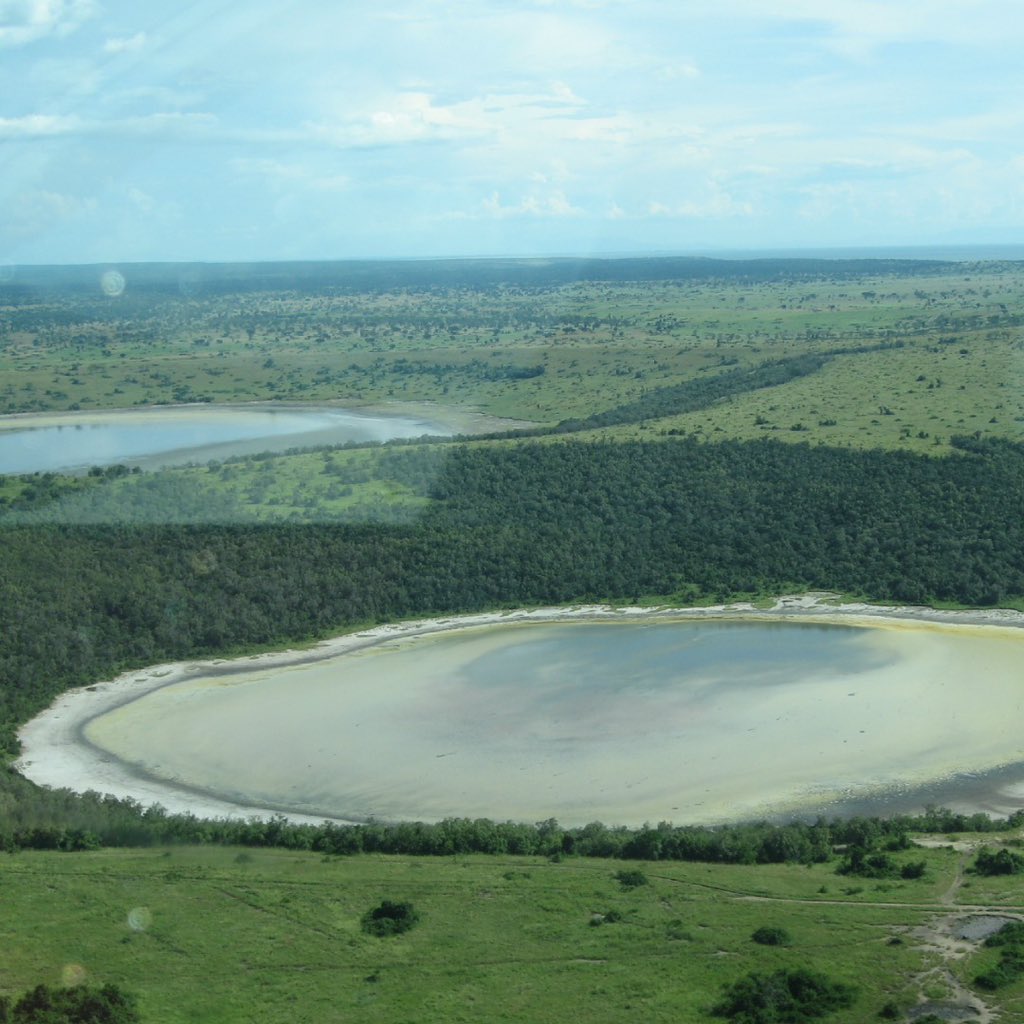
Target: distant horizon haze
967, 252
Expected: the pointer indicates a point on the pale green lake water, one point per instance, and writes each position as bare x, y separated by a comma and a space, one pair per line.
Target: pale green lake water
620, 722
178, 435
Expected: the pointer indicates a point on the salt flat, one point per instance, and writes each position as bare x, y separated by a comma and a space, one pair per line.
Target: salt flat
528, 715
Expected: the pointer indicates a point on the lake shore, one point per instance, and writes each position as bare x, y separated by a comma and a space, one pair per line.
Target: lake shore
57, 754
165, 436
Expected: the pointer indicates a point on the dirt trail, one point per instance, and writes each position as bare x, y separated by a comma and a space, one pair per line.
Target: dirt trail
948, 898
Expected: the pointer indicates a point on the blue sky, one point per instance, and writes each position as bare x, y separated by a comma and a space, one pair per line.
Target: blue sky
265, 129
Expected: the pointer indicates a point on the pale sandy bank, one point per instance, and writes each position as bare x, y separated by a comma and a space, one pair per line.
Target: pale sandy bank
55, 752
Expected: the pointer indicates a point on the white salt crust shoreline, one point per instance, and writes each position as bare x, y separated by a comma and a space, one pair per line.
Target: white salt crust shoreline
55, 753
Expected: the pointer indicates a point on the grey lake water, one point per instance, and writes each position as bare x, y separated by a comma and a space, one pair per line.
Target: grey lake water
623, 722
178, 435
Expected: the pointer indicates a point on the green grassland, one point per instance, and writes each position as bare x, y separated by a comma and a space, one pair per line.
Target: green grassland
547, 354
269, 935
951, 363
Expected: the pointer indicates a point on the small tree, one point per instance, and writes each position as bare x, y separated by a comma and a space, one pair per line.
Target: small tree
390, 919
630, 879
768, 935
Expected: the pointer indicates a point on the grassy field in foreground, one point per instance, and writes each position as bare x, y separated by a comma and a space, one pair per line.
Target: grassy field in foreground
264, 935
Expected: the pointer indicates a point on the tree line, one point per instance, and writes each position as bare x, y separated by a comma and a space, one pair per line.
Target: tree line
37, 819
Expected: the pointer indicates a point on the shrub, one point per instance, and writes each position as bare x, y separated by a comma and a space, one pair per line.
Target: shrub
1011, 957
79, 1004
1011, 934
390, 919
631, 879
1001, 862
783, 997
767, 935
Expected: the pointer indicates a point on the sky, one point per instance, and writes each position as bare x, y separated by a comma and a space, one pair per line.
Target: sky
136, 130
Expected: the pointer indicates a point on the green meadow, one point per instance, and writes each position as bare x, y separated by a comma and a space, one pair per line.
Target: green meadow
914, 359
204, 934
545, 354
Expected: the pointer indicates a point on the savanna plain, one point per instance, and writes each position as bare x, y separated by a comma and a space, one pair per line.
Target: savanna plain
667, 433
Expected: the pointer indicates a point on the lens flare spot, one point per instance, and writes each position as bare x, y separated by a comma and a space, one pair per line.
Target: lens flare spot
112, 282
73, 974
139, 919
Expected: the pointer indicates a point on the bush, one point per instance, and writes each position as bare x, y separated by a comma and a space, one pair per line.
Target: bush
783, 997
1011, 957
768, 935
1011, 934
1001, 862
630, 879
390, 919
867, 865
79, 1004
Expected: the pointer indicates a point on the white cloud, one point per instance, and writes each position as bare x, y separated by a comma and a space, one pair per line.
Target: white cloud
37, 212
172, 126
715, 203
857, 27
979, 127
289, 175
554, 204
25, 21
677, 72
407, 117
125, 44
556, 171
34, 126
416, 116
141, 200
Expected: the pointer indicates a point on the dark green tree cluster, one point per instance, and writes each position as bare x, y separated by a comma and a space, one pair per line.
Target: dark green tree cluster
697, 393
1010, 967
867, 864
631, 879
79, 1004
390, 918
788, 996
998, 862
771, 935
